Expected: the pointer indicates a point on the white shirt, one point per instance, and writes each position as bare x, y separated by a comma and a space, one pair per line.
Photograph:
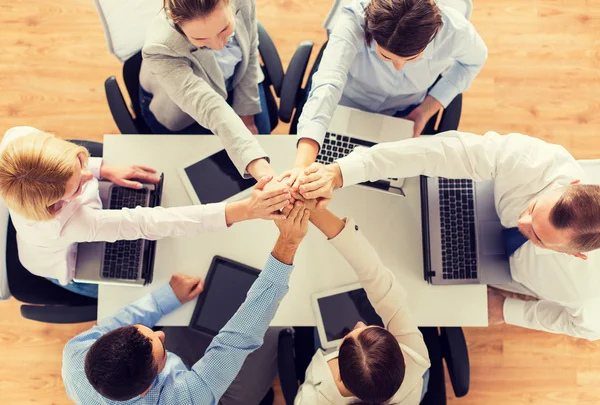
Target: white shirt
352, 74
49, 248
522, 168
388, 298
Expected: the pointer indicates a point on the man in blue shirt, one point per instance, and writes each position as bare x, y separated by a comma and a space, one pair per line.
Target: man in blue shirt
122, 360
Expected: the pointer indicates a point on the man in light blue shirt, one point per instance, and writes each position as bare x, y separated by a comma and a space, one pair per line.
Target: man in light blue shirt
122, 360
384, 56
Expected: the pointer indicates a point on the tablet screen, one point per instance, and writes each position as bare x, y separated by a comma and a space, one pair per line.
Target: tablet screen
216, 179
227, 285
341, 312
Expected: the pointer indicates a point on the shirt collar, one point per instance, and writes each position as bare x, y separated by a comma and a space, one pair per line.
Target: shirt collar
428, 52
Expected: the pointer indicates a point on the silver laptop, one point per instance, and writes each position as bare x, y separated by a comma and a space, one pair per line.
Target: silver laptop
462, 234
125, 262
350, 128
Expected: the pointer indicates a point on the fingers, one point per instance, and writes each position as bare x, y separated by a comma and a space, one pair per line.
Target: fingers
295, 211
311, 169
197, 289
276, 216
267, 195
145, 168
312, 177
305, 219
262, 182
130, 184
315, 185
145, 176
277, 203
286, 210
284, 175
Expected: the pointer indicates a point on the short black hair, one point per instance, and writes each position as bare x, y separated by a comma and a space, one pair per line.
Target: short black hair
120, 365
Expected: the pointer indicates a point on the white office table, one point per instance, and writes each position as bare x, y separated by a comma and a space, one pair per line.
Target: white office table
391, 223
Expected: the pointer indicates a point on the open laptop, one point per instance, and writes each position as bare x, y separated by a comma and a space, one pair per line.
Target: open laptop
462, 234
125, 262
350, 128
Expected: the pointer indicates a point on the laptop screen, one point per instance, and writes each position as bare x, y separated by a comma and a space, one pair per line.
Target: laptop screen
216, 178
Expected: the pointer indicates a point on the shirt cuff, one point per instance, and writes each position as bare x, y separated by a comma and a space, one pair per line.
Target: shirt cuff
94, 164
277, 272
312, 130
352, 169
444, 92
213, 216
166, 299
514, 312
250, 157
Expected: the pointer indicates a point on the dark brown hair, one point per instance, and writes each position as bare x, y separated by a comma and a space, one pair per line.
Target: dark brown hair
185, 10
578, 210
402, 27
120, 365
372, 366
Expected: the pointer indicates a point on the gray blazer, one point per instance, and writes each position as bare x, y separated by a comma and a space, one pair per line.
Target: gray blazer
188, 85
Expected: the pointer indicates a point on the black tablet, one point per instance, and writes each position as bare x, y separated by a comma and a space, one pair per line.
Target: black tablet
213, 179
225, 289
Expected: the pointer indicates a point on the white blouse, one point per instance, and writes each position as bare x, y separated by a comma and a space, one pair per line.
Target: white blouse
49, 248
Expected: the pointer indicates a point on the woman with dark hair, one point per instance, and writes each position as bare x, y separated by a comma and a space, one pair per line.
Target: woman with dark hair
385, 56
201, 75
373, 365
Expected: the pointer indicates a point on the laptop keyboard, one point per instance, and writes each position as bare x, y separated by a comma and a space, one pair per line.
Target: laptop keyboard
457, 215
337, 146
122, 258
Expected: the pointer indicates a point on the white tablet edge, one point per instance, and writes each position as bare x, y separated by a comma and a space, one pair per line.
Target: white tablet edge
326, 344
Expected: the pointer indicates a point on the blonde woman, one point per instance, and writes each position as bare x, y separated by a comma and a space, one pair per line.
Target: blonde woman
50, 187
201, 75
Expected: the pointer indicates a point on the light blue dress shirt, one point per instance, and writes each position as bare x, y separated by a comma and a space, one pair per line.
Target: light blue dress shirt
228, 58
352, 74
210, 377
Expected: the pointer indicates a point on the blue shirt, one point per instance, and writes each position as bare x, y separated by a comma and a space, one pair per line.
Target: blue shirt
210, 377
353, 75
228, 58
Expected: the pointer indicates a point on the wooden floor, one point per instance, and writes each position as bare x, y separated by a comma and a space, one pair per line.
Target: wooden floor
542, 79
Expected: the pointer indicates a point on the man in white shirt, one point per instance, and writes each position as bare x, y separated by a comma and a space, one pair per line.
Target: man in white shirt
535, 189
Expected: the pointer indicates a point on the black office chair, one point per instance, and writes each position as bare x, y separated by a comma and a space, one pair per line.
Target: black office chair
449, 120
296, 348
42, 300
286, 86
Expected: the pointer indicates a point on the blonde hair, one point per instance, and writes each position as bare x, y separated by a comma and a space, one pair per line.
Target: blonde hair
34, 171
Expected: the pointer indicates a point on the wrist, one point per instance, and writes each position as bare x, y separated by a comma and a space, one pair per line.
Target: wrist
338, 180
285, 250
308, 149
259, 168
237, 211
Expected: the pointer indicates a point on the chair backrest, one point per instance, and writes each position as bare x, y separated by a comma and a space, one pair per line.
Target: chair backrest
464, 6
125, 24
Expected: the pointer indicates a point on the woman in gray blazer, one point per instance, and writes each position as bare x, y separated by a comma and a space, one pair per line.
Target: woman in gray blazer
201, 75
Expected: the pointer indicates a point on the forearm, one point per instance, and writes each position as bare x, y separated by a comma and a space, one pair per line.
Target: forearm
146, 311
236, 212
285, 250
259, 168
307, 152
547, 316
430, 106
327, 222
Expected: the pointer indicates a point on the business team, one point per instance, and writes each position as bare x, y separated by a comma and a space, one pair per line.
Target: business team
201, 75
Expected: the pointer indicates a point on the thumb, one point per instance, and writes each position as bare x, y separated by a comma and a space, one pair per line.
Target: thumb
313, 168
262, 182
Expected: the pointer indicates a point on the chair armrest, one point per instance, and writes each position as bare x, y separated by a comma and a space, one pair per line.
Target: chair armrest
287, 365
291, 89
118, 107
456, 353
451, 115
59, 314
270, 57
